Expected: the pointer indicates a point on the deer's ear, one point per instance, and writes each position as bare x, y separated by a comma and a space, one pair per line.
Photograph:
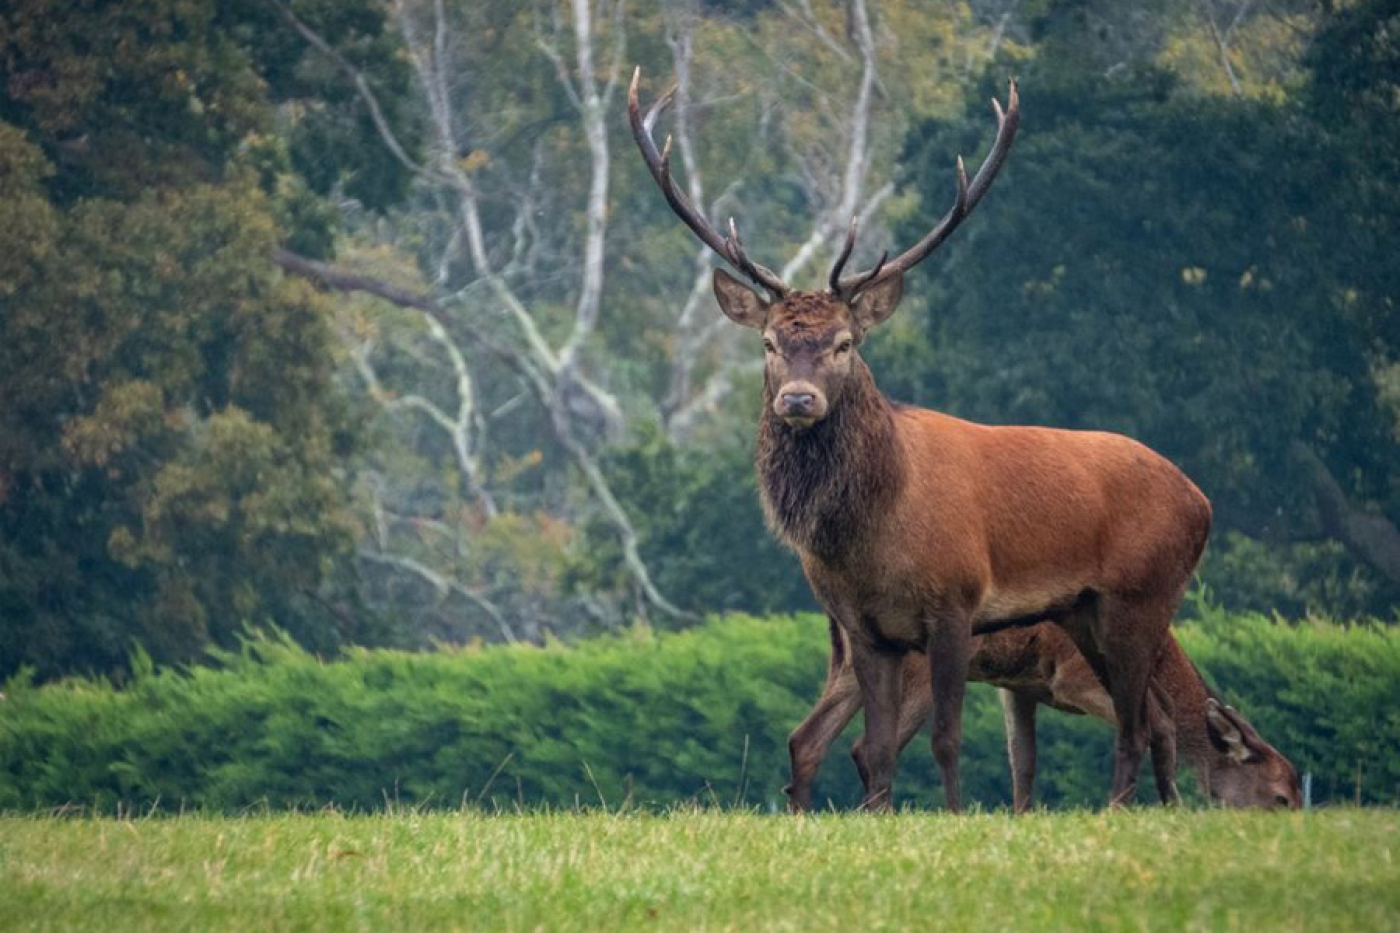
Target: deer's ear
878, 302
1230, 733
739, 302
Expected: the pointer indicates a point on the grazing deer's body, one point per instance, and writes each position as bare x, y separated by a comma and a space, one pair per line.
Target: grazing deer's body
1040, 665
917, 529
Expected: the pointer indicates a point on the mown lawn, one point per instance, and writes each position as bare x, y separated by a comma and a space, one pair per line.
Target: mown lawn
702, 870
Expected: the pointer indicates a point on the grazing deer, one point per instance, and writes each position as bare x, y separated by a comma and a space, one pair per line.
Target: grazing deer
1039, 664
917, 530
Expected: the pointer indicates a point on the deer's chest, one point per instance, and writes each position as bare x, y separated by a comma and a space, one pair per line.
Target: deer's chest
873, 609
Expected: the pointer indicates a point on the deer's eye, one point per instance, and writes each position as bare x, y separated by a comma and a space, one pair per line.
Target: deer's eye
768, 346
843, 347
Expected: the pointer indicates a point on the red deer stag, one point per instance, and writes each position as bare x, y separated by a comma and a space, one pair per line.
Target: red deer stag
1036, 665
916, 529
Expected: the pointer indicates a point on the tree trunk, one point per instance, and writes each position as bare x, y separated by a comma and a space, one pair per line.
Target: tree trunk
1372, 538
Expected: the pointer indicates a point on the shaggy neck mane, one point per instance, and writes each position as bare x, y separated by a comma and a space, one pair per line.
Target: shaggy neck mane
824, 487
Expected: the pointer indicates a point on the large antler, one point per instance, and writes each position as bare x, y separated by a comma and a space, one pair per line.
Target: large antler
730, 248
968, 196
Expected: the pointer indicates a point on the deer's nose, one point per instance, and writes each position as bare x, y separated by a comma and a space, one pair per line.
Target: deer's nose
799, 403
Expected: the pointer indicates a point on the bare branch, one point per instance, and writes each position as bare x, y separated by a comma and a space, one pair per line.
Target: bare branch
386, 132
993, 45
619, 55
583, 43
703, 404
444, 585
342, 280
561, 70
553, 377
680, 39
1222, 40
618, 516
805, 17
1373, 538
596, 212
691, 336
432, 67
857, 151
459, 427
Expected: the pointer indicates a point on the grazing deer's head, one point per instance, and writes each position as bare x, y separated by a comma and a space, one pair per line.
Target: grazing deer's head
810, 338
1247, 771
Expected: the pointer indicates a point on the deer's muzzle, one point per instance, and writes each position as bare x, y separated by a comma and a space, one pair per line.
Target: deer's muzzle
800, 404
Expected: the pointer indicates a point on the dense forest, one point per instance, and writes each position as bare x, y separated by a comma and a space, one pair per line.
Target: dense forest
364, 320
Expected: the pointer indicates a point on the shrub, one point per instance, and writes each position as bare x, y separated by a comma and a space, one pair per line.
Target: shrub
641, 719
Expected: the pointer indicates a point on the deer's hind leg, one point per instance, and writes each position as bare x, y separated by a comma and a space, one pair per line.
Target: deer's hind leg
1129, 633
1121, 638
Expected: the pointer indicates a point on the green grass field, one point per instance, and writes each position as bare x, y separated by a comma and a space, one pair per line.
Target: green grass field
1145, 869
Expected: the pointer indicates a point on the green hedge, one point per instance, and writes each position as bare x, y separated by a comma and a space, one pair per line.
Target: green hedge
640, 719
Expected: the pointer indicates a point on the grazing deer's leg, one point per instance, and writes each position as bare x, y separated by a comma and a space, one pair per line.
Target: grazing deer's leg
808, 744
948, 651
1018, 713
879, 675
1163, 729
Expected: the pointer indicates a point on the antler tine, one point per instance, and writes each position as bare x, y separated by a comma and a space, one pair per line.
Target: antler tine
853, 285
734, 252
834, 280
868, 277
968, 196
989, 169
658, 105
659, 164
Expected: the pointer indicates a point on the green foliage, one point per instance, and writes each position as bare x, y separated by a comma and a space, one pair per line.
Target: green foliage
642, 719
701, 528
1292, 578
171, 434
161, 94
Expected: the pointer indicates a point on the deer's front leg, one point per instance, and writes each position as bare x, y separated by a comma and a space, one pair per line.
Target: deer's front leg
880, 677
949, 649
915, 701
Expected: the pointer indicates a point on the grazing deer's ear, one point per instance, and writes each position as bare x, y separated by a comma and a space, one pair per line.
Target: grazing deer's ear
878, 302
739, 302
1230, 733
